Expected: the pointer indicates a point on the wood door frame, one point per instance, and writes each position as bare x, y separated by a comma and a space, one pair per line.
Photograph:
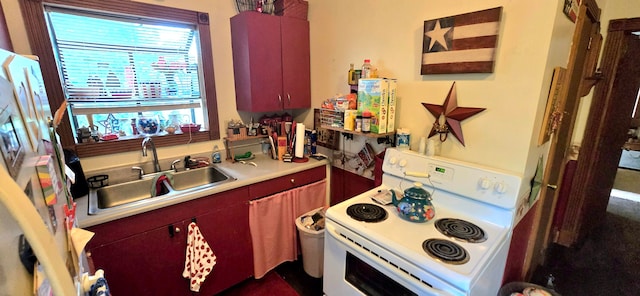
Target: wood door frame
616, 94
569, 99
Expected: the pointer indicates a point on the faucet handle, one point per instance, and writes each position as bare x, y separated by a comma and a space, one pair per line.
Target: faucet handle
140, 171
173, 165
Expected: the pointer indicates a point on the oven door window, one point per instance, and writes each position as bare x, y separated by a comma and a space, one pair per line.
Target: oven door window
371, 281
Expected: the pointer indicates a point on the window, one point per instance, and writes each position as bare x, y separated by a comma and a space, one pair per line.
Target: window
125, 68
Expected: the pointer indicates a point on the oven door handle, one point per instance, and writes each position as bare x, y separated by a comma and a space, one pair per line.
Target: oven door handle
331, 231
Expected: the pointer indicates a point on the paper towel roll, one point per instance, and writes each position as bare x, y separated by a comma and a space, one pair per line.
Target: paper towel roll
299, 149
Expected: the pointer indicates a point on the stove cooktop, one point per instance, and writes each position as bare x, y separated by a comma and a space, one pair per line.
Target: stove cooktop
405, 238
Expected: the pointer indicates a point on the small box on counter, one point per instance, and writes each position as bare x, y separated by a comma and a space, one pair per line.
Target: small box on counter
373, 95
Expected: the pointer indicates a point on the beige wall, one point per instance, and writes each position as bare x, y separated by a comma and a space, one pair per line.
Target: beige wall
534, 38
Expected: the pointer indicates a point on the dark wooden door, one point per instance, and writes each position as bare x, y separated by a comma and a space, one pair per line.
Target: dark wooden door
587, 28
605, 133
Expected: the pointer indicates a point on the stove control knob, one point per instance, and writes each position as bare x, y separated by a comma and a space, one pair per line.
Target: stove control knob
500, 187
393, 160
485, 183
402, 163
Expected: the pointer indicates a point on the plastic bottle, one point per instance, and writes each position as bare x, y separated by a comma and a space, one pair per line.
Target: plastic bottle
367, 69
351, 76
216, 157
366, 121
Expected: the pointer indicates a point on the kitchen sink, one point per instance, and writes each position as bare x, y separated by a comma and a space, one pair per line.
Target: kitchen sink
139, 191
197, 177
123, 193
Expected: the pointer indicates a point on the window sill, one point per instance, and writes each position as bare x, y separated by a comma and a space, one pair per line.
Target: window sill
134, 143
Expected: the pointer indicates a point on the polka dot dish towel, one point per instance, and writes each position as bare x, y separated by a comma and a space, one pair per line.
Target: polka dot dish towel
199, 259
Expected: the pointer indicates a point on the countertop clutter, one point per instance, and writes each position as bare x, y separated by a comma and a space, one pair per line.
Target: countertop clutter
265, 169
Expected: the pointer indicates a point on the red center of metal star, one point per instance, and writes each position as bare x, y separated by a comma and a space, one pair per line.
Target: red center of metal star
452, 113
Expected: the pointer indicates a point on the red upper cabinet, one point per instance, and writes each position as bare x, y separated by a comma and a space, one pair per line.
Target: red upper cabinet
271, 62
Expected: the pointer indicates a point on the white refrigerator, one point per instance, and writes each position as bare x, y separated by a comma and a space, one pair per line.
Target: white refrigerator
26, 210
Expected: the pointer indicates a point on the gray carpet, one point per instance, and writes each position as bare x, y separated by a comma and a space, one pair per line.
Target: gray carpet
608, 263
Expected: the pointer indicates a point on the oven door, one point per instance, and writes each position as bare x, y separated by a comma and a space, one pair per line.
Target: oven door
354, 266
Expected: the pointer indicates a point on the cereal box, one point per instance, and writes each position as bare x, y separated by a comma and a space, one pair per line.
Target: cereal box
393, 102
373, 96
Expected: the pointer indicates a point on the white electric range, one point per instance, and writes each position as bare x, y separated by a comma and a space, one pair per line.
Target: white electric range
370, 250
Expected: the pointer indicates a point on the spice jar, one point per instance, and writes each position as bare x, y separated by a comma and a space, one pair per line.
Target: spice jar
366, 121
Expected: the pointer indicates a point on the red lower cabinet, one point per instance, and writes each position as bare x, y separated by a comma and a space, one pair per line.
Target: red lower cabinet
148, 263
145, 254
345, 185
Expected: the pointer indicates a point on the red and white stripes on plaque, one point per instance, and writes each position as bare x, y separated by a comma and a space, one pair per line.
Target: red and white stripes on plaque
464, 43
199, 259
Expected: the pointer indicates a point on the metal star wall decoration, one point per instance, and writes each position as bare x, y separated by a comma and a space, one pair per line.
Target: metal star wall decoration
449, 115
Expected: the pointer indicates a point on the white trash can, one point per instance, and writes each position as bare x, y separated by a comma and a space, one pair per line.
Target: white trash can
312, 244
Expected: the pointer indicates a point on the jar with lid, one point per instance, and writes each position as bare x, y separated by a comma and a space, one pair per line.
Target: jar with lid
359, 122
366, 121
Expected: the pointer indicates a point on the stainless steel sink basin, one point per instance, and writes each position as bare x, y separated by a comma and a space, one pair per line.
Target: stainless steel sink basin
123, 193
197, 177
133, 192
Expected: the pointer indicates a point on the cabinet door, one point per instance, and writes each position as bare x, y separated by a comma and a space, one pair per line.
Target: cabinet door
227, 233
345, 185
296, 69
257, 63
148, 263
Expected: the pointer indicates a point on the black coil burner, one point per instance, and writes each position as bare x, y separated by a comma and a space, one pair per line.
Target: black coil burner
445, 251
461, 229
367, 212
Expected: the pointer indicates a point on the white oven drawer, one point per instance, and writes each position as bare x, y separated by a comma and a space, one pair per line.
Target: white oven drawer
343, 247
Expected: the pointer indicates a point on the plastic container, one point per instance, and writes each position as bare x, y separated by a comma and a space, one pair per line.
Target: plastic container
367, 69
312, 245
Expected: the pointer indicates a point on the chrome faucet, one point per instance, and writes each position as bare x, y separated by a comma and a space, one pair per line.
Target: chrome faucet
148, 140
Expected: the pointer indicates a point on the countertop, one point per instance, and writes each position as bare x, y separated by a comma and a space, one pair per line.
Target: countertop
245, 174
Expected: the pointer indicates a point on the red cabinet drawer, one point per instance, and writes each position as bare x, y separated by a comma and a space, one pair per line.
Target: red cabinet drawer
287, 182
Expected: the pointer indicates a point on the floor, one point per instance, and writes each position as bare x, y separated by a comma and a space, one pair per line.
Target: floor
294, 274
607, 263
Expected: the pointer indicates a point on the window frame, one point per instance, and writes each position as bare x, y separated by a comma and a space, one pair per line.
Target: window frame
38, 33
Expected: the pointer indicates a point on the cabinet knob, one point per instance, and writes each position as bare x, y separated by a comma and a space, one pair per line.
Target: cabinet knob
293, 181
177, 229
289, 97
280, 98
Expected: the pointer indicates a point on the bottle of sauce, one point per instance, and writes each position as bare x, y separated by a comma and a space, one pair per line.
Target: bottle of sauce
367, 69
366, 121
359, 122
351, 76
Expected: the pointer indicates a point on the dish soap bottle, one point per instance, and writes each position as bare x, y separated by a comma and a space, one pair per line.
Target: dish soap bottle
215, 157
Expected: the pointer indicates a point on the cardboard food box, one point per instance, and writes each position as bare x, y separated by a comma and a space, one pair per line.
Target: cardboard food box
373, 95
393, 102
